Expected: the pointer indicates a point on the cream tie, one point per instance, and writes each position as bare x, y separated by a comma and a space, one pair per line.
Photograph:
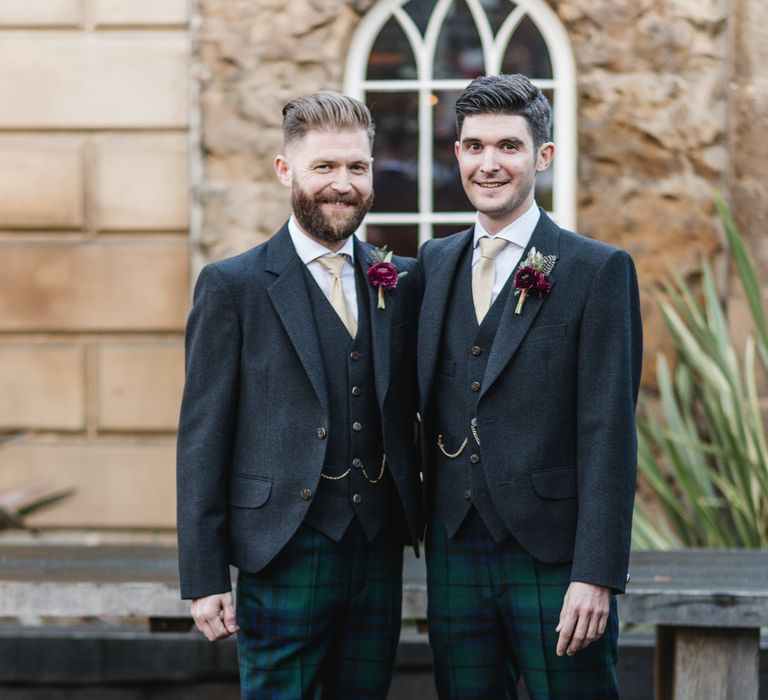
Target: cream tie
334, 265
484, 274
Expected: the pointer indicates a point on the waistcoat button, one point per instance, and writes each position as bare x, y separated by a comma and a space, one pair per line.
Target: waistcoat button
306, 494
475, 386
357, 498
321, 433
357, 426
476, 350
474, 458
467, 495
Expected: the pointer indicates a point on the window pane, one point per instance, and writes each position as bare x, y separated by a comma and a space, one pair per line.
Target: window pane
420, 12
545, 180
391, 56
395, 151
497, 11
459, 53
403, 240
448, 229
448, 194
527, 53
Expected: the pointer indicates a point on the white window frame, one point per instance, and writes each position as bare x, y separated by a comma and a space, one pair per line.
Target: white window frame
563, 85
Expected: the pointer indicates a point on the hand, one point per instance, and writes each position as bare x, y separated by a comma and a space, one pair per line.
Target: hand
583, 617
214, 616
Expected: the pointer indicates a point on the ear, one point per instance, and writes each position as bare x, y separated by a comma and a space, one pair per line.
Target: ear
283, 170
456, 148
544, 157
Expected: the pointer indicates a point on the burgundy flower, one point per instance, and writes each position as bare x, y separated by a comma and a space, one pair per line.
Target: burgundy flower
525, 278
383, 274
543, 285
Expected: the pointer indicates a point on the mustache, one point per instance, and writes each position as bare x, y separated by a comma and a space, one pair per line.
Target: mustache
350, 198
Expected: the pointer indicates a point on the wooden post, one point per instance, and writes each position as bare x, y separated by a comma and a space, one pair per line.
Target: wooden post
702, 663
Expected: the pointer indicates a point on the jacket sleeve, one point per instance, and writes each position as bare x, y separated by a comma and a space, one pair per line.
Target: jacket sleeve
608, 380
205, 439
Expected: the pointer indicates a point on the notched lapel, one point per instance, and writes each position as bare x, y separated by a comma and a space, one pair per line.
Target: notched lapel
290, 297
514, 327
439, 283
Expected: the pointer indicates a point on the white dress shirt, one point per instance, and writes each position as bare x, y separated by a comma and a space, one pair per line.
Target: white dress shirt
518, 233
310, 250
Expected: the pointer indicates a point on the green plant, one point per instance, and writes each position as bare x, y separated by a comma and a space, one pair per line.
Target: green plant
702, 454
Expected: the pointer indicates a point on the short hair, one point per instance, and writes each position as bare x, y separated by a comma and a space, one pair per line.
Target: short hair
325, 111
507, 94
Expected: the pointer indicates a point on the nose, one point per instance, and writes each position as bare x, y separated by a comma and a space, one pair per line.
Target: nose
341, 181
489, 163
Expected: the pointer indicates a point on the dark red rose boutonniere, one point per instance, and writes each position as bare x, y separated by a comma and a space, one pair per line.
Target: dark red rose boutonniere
382, 273
533, 276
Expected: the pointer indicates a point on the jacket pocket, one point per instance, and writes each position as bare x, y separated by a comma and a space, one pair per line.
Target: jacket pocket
557, 483
557, 330
249, 491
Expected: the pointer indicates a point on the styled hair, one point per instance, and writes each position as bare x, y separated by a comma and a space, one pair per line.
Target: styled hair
507, 94
325, 111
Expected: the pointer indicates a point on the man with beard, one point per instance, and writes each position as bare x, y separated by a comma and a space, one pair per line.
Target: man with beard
296, 454
529, 357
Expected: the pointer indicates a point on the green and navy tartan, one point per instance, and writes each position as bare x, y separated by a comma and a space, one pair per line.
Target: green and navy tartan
322, 620
492, 614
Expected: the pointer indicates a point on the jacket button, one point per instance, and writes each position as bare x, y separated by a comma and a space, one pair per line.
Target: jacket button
356, 391
474, 458
354, 355
467, 495
476, 350
357, 463
357, 499
475, 386
306, 494
357, 426
321, 433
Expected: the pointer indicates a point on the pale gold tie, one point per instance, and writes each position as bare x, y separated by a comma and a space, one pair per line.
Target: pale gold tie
334, 264
484, 274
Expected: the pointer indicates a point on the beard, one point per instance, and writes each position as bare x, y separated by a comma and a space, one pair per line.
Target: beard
331, 229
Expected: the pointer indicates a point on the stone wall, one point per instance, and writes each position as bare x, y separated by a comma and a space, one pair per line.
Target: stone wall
652, 115
94, 262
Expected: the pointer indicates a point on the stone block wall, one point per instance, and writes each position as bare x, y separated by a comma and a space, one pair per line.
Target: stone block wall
94, 259
653, 121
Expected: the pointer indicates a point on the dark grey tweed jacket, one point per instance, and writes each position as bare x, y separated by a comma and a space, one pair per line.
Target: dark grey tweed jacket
255, 409
556, 408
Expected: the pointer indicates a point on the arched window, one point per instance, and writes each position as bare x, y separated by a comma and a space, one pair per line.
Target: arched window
408, 61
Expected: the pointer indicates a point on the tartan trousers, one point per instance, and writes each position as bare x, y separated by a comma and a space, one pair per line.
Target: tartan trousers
492, 613
322, 619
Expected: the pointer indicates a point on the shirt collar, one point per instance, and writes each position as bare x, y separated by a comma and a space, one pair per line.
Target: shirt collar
309, 249
518, 232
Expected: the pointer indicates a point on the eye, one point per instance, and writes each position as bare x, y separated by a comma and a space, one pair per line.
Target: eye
359, 168
509, 146
474, 147
323, 167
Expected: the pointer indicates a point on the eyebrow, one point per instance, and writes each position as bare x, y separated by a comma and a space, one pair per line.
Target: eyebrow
508, 139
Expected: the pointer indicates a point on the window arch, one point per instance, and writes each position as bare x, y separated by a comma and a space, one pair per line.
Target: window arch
409, 60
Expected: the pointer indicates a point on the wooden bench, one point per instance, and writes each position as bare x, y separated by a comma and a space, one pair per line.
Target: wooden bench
707, 606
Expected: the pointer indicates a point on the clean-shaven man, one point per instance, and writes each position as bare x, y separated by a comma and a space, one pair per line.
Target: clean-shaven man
529, 358
296, 456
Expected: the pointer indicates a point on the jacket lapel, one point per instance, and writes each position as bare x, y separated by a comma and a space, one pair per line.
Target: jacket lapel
380, 319
513, 327
433, 308
290, 297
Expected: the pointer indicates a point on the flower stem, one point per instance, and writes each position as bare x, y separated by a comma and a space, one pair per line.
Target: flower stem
523, 295
381, 304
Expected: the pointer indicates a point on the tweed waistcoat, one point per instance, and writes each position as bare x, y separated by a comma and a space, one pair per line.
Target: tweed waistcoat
354, 433
460, 482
